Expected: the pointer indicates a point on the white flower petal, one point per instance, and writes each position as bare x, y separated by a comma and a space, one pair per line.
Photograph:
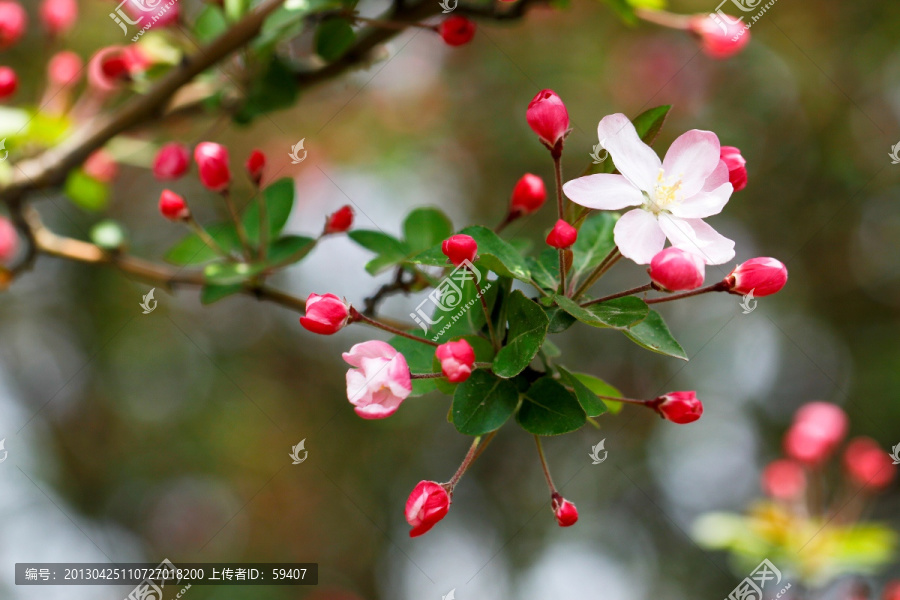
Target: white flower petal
604, 191
692, 158
639, 236
717, 178
635, 160
703, 204
693, 235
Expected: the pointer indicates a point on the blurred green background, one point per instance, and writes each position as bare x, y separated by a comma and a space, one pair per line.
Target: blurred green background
138, 437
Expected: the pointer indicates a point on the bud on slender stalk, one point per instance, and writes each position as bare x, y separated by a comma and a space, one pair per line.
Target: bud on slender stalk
817, 430
460, 248
737, 166
716, 41
13, 20
326, 314
678, 407
763, 276
58, 16
173, 207
339, 221
562, 235
676, 270
868, 464
9, 240
565, 512
428, 503
456, 30
9, 83
457, 360
528, 195
171, 162
212, 162
256, 164
548, 118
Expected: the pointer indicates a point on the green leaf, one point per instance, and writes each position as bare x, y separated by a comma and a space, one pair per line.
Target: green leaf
600, 388
649, 123
548, 408
494, 253
289, 249
381, 263
210, 23
594, 243
592, 405
86, 192
484, 352
425, 227
483, 403
275, 89
618, 313
214, 293
545, 269
230, 273
279, 199
379, 242
527, 329
235, 9
192, 251
419, 357
108, 235
653, 334
454, 317
333, 38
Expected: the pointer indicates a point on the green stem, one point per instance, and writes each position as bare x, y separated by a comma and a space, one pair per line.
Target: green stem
238, 225
560, 214
611, 259
487, 316
643, 288
721, 286
540, 448
466, 463
205, 237
355, 315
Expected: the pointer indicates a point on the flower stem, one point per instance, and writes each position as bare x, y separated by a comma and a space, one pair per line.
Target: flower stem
487, 317
425, 375
611, 259
643, 288
263, 225
355, 315
540, 448
204, 236
560, 214
721, 286
238, 225
664, 18
466, 463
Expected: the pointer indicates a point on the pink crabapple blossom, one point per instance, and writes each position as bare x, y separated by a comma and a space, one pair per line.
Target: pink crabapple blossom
548, 117
172, 206
459, 248
528, 195
381, 380
212, 163
58, 16
428, 503
679, 407
737, 167
675, 270
326, 314
716, 41
867, 464
763, 276
13, 21
171, 161
457, 360
9, 240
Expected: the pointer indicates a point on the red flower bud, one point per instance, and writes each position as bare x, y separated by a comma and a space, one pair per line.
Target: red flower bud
101, 166
9, 240
457, 360
212, 161
737, 170
460, 248
12, 23
457, 30
565, 512
172, 161
763, 276
547, 116
58, 16
868, 464
677, 270
108, 69
784, 479
326, 314
172, 206
562, 235
340, 220
255, 165
428, 503
817, 430
528, 195
720, 37
64, 69
9, 82
680, 407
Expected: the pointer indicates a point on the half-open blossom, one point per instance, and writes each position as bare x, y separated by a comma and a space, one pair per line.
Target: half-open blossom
172, 161
720, 36
380, 382
340, 220
817, 430
562, 235
9, 82
565, 512
737, 167
763, 276
677, 270
108, 70
428, 503
101, 166
679, 407
212, 162
325, 314
547, 116
456, 30
784, 479
672, 196
868, 464
58, 16
13, 20
9, 240
172, 206
460, 248
528, 195
255, 165
457, 360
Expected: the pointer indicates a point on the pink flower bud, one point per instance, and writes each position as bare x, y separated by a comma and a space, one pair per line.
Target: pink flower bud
255, 165
108, 69
720, 37
340, 220
868, 464
784, 479
562, 235
679, 407
528, 195
428, 503
64, 69
101, 166
677, 270
547, 116
58, 16
460, 248
9, 240
13, 20
829, 418
737, 169
565, 512
212, 161
456, 30
817, 430
381, 381
457, 360
9, 82
325, 314
172, 161
172, 206
763, 276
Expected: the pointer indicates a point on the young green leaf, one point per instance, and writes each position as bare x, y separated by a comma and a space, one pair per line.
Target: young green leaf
548, 408
653, 334
425, 227
230, 273
618, 313
592, 405
333, 38
289, 249
214, 293
483, 403
279, 199
192, 251
601, 388
545, 269
527, 329
86, 192
594, 243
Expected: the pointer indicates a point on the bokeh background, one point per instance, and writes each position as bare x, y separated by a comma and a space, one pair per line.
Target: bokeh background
138, 437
